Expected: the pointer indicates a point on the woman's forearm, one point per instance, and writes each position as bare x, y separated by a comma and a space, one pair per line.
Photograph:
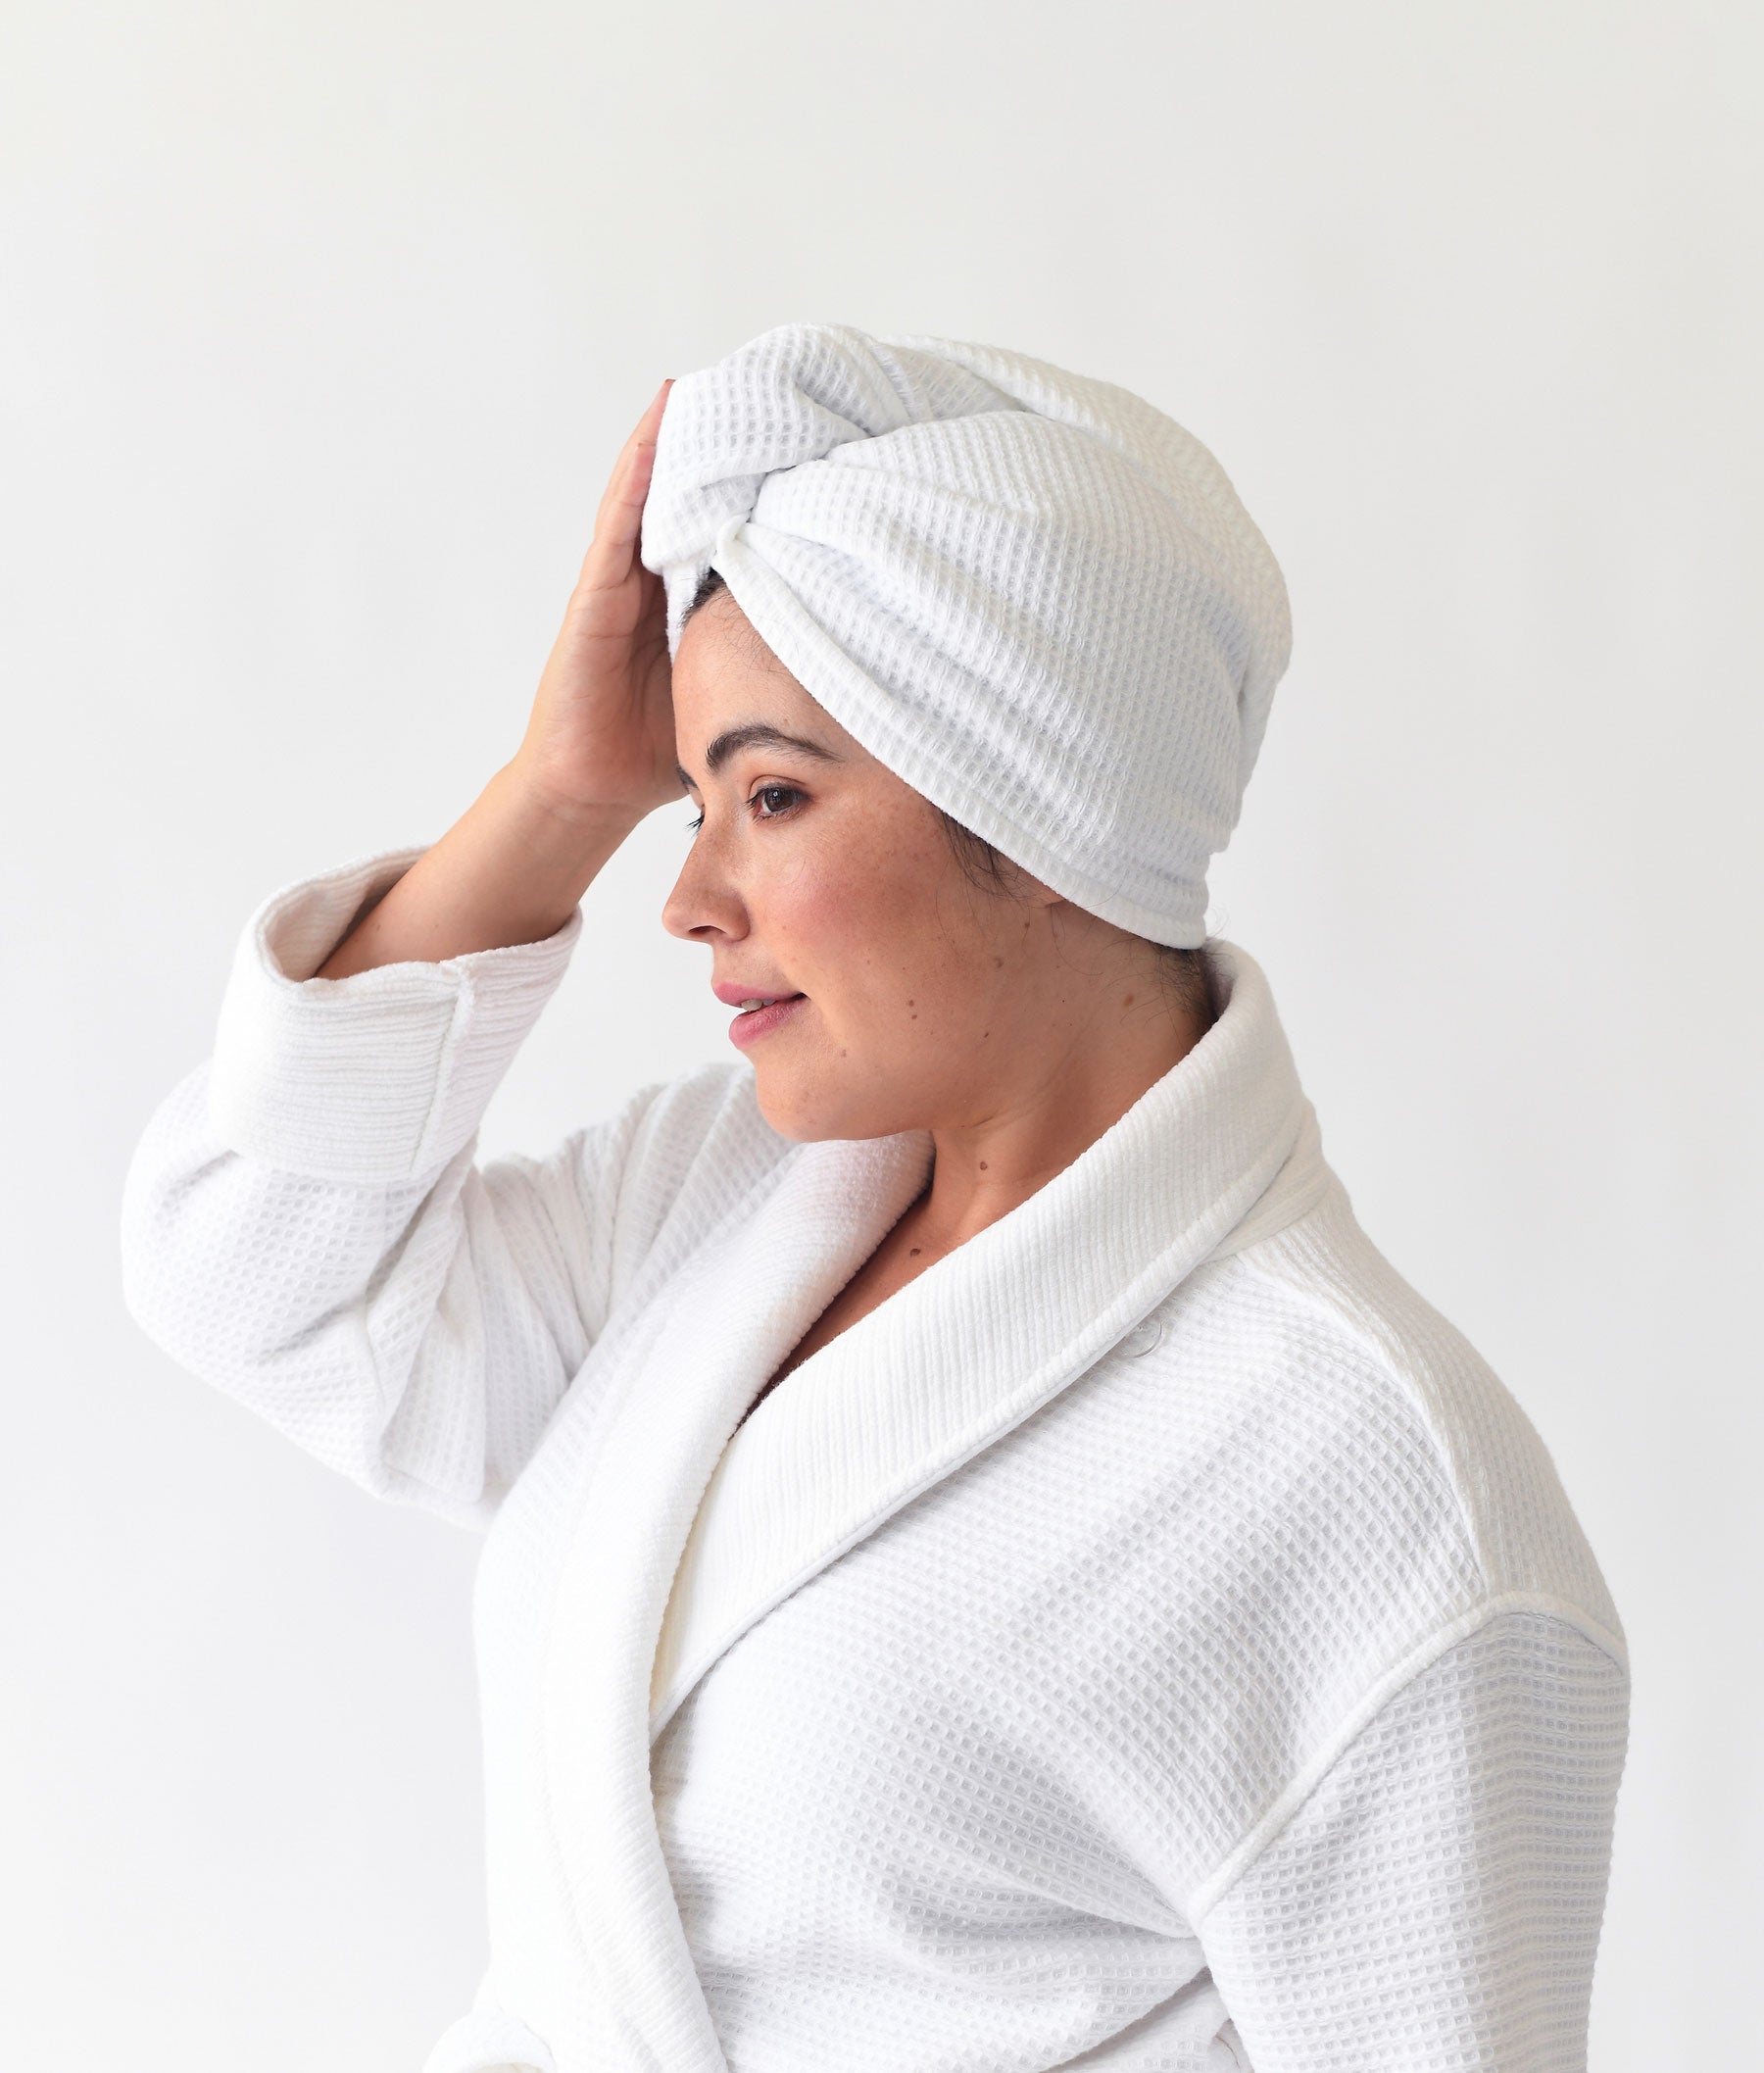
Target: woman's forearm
511, 870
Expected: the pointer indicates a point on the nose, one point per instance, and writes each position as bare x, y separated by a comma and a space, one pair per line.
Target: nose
703, 902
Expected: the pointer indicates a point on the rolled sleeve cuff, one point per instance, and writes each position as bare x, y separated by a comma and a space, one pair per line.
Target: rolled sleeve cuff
380, 1076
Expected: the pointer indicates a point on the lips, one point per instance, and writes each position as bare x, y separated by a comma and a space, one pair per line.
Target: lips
736, 993
752, 1025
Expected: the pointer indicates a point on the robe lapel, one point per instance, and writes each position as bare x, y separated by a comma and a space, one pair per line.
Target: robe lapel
716, 1335
938, 1371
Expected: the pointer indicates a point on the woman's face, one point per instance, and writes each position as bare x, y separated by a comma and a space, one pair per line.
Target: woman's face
814, 870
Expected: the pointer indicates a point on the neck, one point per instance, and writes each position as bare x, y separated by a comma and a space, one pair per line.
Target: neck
1050, 1112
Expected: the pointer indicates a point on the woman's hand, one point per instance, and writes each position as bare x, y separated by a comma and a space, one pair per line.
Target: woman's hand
601, 738
598, 754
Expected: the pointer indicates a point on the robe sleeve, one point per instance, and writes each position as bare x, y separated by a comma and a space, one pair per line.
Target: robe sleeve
1435, 1902
304, 1225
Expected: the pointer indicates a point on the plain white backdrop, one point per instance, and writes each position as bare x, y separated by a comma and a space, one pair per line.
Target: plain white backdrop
322, 324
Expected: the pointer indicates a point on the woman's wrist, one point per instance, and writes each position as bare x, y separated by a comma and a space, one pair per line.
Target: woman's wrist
526, 780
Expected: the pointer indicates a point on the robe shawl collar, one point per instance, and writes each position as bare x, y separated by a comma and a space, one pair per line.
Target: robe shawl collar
1223, 1148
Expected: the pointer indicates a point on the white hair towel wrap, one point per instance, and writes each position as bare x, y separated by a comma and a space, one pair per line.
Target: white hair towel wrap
1031, 596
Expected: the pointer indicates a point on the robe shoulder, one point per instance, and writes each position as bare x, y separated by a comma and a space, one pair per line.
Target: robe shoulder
1308, 1495
1409, 1384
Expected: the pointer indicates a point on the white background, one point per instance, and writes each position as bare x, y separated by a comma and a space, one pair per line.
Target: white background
322, 326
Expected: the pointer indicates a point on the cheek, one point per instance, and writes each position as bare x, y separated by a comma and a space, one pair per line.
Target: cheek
858, 922
877, 931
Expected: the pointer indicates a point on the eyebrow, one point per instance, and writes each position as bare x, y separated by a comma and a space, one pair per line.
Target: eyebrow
755, 735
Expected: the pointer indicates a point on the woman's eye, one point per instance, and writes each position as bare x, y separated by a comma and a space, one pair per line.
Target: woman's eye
788, 792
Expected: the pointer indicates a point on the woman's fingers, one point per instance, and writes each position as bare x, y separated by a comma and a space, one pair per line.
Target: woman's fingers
619, 522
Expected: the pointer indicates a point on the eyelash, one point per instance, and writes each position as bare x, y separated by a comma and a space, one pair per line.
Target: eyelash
698, 819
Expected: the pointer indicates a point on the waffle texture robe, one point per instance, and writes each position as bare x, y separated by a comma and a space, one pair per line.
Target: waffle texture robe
1153, 1639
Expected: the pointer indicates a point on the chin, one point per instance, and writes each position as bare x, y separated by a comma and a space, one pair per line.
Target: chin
785, 1110
799, 1106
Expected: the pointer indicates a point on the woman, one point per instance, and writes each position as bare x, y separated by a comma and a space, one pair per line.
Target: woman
987, 1565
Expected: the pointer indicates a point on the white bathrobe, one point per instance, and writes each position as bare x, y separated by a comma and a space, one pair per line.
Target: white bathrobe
1153, 1639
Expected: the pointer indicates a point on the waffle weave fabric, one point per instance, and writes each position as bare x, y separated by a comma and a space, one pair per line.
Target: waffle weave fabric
1031, 595
1151, 1640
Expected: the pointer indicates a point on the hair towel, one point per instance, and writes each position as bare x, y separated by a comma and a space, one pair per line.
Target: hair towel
1030, 595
